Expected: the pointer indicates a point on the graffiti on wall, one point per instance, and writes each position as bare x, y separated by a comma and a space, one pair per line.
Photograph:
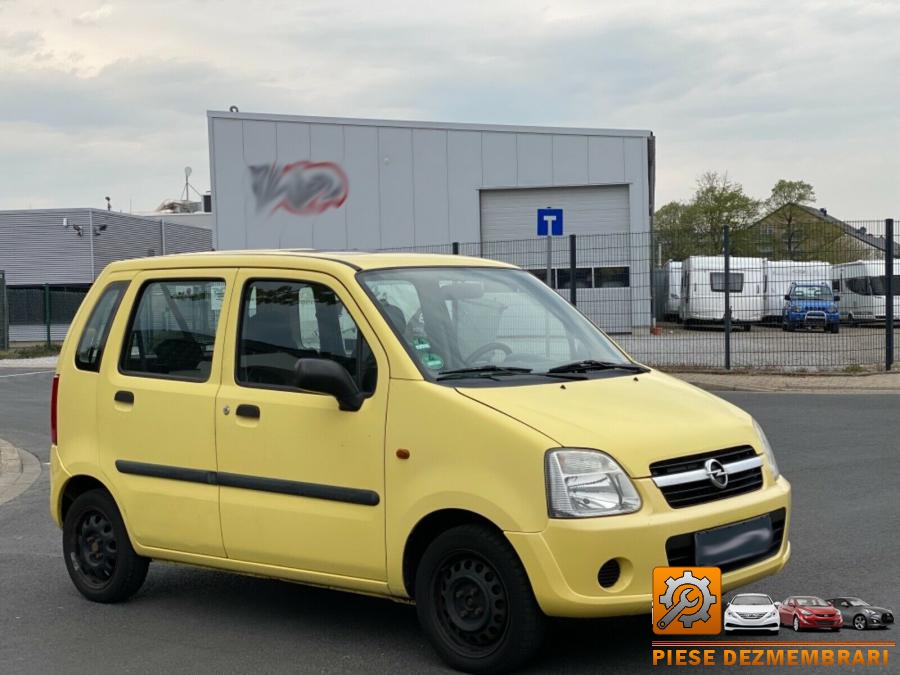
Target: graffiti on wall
301, 188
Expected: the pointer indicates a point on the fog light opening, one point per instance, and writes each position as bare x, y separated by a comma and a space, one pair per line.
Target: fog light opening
609, 573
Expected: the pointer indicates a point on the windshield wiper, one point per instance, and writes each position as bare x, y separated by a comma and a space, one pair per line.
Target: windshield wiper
485, 370
590, 364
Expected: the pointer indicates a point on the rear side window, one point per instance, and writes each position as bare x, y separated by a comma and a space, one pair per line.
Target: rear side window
283, 321
93, 338
717, 282
173, 329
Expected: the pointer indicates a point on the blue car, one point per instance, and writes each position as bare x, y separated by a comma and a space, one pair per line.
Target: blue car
810, 306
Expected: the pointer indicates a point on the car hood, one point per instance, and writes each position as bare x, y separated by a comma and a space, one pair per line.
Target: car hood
636, 419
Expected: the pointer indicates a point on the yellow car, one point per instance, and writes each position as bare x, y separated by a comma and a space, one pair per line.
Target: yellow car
437, 429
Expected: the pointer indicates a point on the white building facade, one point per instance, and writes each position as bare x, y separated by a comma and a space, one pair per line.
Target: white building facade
283, 181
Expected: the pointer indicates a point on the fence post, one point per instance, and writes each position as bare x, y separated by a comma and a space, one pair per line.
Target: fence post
455, 248
727, 317
4, 314
889, 293
47, 310
573, 293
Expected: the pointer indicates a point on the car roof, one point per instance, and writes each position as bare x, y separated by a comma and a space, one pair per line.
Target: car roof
357, 260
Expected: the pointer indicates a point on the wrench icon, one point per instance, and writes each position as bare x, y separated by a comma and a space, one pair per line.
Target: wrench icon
682, 604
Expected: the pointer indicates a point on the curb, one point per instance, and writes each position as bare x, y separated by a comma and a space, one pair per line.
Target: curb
18, 470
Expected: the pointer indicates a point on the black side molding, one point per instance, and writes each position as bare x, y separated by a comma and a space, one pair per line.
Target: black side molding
333, 493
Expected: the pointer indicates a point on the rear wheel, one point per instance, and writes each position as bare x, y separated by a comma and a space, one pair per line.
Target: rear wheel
98, 553
475, 602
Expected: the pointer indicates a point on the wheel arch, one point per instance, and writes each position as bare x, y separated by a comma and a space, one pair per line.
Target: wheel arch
74, 488
427, 530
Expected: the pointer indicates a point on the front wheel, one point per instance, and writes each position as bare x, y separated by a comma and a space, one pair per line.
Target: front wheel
859, 622
796, 625
98, 553
475, 603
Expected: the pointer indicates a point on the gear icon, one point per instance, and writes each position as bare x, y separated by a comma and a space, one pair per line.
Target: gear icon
701, 584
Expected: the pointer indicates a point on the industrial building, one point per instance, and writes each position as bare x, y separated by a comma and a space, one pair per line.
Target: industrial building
282, 181
55, 254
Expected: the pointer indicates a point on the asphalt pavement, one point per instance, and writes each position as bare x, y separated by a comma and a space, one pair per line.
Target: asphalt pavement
839, 452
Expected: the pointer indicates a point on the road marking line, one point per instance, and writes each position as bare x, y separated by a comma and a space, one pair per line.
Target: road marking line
36, 372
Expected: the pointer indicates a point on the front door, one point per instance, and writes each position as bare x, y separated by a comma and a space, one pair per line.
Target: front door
302, 482
156, 408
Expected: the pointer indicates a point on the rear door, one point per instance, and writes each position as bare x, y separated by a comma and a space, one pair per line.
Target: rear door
302, 482
156, 408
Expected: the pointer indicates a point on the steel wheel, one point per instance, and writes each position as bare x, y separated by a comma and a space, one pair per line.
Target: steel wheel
472, 603
96, 549
859, 622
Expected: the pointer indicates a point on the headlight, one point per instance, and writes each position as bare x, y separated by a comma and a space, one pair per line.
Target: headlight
767, 450
805, 612
796, 308
871, 611
587, 483
833, 309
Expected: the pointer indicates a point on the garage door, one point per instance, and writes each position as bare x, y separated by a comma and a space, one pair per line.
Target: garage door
512, 214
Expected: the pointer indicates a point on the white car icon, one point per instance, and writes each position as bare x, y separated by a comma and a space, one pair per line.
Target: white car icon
751, 611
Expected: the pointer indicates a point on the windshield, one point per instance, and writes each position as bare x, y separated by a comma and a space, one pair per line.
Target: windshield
819, 292
752, 600
856, 602
811, 602
453, 318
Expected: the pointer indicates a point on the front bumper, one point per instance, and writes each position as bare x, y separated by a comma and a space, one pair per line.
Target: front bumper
735, 622
813, 318
563, 561
820, 622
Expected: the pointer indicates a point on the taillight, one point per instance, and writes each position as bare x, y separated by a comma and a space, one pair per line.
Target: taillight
54, 394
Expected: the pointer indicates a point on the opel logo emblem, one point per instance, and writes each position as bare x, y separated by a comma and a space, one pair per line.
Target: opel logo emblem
716, 472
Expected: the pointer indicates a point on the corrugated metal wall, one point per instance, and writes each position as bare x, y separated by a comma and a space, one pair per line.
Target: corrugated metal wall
408, 183
35, 249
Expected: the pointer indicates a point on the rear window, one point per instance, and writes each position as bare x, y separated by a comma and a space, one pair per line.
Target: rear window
717, 282
93, 338
173, 330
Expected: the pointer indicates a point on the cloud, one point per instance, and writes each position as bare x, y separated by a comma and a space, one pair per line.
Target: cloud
803, 89
94, 16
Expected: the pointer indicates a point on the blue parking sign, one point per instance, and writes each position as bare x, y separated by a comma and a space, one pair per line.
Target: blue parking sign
549, 221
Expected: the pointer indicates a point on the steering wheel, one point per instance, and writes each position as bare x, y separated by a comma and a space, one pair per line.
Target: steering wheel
487, 349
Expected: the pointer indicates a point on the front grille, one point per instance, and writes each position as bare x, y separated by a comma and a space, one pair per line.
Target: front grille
703, 490
826, 622
680, 548
887, 618
750, 616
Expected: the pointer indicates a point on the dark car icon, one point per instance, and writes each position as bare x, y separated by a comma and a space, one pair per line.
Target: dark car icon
806, 611
861, 615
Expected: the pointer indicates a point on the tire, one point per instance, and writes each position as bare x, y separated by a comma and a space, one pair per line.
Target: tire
98, 552
492, 622
835, 328
796, 624
747, 327
859, 622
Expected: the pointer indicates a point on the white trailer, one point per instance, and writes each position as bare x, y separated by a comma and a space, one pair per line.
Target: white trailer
673, 293
862, 286
703, 290
780, 274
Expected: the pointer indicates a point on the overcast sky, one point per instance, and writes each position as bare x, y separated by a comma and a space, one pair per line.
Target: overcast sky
109, 98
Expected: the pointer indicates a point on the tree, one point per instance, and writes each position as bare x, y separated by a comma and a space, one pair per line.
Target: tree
719, 201
674, 230
789, 225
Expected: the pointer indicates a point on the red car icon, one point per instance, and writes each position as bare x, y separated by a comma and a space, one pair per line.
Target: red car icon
807, 611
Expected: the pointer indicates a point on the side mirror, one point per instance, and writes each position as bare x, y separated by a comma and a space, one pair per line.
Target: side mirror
778, 604
830, 604
787, 297
325, 376
837, 298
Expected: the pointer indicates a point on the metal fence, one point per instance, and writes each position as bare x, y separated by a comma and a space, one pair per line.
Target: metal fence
767, 297
42, 313
4, 316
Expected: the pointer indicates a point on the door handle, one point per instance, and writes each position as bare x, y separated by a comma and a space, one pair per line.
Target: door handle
123, 396
247, 410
